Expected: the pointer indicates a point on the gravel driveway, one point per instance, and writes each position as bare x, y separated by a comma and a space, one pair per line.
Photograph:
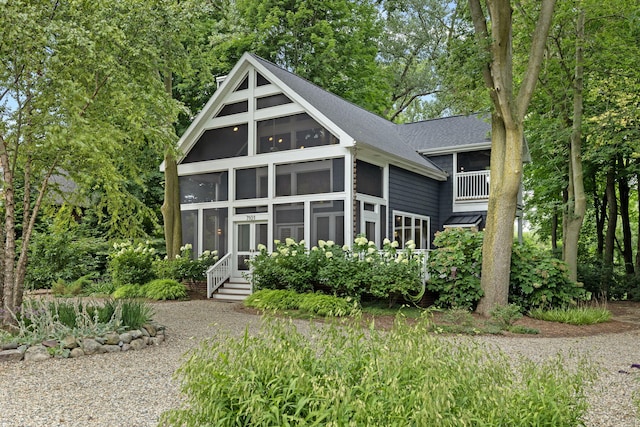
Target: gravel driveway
134, 388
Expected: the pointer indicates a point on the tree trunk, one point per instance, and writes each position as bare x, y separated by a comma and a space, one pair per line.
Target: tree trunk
171, 215
601, 217
638, 233
8, 278
577, 206
610, 237
627, 244
509, 110
554, 231
503, 194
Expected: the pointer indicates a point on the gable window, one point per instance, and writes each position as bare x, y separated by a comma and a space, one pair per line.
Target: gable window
261, 81
290, 133
220, 143
243, 85
272, 101
321, 176
251, 183
368, 179
209, 187
234, 108
408, 226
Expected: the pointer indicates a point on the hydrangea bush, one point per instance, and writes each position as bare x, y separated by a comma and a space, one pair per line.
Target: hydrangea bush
362, 270
131, 264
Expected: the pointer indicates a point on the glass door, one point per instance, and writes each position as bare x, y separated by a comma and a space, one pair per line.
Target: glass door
248, 235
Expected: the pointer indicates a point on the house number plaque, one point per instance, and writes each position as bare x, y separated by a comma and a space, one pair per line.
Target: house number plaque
251, 217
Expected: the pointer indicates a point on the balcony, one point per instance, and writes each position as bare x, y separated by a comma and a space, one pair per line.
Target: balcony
471, 186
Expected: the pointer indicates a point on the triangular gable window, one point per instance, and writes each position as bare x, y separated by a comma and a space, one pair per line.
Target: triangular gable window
272, 101
261, 81
244, 85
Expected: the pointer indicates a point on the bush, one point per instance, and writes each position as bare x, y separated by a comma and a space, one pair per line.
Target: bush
343, 377
129, 291
574, 315
184, 268
455, 267
540, 280
537, 278
65, 256
341, 271
129, 264
165, 289
327, 305
274, 300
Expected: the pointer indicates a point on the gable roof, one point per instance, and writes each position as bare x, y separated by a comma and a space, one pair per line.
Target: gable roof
363, 126
407, 144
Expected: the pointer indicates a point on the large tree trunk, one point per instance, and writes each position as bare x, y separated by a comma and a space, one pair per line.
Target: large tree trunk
577, 206
503, 194
507, 119
610, 237
9, 252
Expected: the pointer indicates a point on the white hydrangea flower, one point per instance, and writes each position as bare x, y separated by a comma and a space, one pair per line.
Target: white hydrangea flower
371, 243
302, 242
394, 244
330, 243
262, 247
321, 243
328, 254
371, 250
345, 248
277, 242
386, 241
289, 241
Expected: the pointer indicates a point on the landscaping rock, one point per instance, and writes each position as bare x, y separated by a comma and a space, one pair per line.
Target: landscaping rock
91, 346
69, 342
151, 329
50, 343
111, 348
135, 334
112, 338
138, 344
126, 347
9, 346
126, 337
101, 340
36, 353
10, 355
76, 352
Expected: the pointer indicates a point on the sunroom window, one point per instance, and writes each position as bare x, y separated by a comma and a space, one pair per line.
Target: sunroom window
251, 183
208, 187
407, 226
321, 176
220, 143
291, 133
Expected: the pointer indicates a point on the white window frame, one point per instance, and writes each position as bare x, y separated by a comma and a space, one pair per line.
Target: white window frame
425, 239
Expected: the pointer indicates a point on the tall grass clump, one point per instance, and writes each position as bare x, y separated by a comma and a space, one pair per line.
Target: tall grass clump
574, 315
346, 376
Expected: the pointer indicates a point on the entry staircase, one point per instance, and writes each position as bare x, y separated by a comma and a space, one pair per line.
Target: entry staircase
221, 286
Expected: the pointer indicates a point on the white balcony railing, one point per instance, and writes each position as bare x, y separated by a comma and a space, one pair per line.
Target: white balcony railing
471, 186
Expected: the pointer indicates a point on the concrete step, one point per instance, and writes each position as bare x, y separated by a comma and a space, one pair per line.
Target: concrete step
242, 286
232, 292
228, 297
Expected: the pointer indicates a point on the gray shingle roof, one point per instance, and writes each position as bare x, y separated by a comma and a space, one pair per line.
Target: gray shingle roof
403, 141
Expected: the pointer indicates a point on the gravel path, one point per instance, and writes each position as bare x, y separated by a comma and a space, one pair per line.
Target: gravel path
134, 388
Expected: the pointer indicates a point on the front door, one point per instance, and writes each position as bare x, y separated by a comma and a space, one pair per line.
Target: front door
248, 235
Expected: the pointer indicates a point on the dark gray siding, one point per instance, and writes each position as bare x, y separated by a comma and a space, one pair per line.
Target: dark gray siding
413, 193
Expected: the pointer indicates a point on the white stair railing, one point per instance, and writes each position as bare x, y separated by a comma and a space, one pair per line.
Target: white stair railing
218, 273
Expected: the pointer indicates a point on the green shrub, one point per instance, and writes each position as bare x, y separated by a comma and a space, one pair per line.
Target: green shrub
274, 300
129, 291
454, 268
573, 315
165, 289
327, 305
504, 316
537, 278
342, 271
100, 288
129, 264
184, 268
66, 256
344, 377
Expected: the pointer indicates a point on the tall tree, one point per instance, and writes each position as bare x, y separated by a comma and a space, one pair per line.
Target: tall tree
79, 96
510, 102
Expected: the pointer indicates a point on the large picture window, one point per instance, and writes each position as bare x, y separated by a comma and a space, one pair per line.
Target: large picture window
209, 187
291, 133
221, 143
321, 176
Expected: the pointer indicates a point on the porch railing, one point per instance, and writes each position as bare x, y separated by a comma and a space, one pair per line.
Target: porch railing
218, 273
471, 186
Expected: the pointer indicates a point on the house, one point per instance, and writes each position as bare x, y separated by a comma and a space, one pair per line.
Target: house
273, 156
